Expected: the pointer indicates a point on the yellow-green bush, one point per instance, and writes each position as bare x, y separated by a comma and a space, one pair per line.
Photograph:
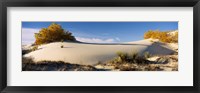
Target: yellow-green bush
162, 36
53, 33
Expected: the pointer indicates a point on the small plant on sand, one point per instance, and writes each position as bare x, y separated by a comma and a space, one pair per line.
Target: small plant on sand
61, 46
147, 54
122, 56
133, 56
152, 41
62, 42
129, 58
34, 48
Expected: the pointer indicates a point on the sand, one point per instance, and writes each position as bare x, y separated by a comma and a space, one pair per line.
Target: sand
91, 54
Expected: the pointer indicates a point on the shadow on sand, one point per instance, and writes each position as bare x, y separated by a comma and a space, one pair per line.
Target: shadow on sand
158, 48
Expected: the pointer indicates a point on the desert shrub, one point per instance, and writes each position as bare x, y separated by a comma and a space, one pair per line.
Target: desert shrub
152, 41
34, 48
53, 33
133, 55
162, 36
61, 46
62, 42
148, 34
123, 57
147, 54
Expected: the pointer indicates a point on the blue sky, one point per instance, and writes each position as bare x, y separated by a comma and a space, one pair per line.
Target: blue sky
100, 32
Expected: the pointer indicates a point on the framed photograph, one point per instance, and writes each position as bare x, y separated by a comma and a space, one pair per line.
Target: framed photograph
99, 46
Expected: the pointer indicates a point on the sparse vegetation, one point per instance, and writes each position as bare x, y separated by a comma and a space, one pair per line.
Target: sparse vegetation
53, 33
147, 54
136, 62
62, 42
162, 36
34, 48
133, 58
26, 51
29, 65
123, 62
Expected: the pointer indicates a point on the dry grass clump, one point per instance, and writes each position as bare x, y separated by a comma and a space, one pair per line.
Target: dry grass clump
34, 48
29, 65
162, 36
123, 57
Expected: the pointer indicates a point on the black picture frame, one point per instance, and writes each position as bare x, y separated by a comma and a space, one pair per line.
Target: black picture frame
98, 3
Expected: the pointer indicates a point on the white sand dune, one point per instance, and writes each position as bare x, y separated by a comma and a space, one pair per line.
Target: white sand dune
90, 54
